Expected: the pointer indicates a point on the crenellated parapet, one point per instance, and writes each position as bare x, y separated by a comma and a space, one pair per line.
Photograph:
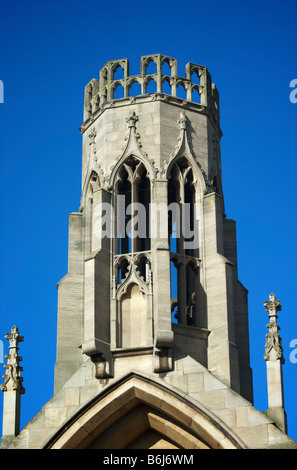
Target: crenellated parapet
197, 85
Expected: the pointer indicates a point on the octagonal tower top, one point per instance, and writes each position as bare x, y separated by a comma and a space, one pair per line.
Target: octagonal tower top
200, 92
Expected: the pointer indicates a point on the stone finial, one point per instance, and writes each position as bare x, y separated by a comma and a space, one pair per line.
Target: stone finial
12, 377
272, 306
273, 344
182, 120
92, 135
274, 361
132, 119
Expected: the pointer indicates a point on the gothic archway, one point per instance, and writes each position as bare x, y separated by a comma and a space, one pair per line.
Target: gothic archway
138, 412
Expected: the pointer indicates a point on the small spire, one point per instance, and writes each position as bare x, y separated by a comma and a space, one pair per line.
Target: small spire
274, 361
272, 306
132, 119
12, 386
92, 135
182, 120
12, 377
273, 344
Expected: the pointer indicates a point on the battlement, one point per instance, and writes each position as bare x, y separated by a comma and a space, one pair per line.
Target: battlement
197, 86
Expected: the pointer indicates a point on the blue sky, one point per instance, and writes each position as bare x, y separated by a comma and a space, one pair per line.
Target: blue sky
49, 51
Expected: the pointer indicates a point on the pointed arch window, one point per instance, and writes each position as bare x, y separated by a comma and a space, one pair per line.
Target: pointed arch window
184, 252
133, 197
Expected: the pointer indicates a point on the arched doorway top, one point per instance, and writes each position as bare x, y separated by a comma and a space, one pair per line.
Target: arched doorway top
185, 414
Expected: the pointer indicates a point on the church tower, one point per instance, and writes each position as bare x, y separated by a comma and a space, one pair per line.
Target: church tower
152, 339
151, 242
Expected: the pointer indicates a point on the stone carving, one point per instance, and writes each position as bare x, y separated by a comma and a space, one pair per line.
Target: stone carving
12, 377
182, 149
92, 136
133, 274
272, 306
182, 120
133, 147
273, 343
132, 119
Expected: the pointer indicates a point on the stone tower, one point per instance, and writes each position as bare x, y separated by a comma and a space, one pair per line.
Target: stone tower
153, 341
153, 151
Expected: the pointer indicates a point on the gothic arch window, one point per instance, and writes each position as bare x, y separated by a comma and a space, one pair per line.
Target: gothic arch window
118, 72
195, 94
118, 91
151, 68
144, 268
166, 87
123, 192
134, 89
181, 91
182, 197
122, 270
166, 69
190, 294
174, 291
189, 199
91, 100
195, 78
151, 86
133, 195
133, 311
132, 261
103, 82
184, 252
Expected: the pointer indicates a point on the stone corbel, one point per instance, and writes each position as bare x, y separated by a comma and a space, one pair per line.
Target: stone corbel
103, 367
101, 356
162, 354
